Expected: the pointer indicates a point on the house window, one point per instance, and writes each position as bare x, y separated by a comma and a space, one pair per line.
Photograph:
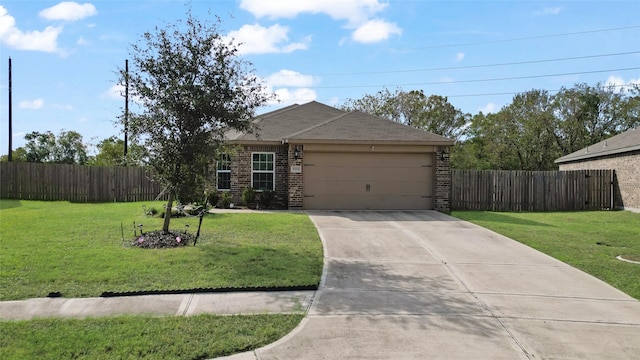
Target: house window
223, 172
263, 171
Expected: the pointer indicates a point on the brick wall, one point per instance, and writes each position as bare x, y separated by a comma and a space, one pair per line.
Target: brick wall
241, 172
442, 196
296, 188
627, 168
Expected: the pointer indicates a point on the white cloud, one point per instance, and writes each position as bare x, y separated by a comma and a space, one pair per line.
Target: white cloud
256, 39
31, 104
489, 108
620, 83
289, 78
290, 87
295, 96
375, 30
114, 92
354, 11
548, 11
11, 36
358, 14
68, 11
459, 56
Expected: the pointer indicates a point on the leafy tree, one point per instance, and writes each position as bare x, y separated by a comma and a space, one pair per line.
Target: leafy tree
193, 88
434, 113
111, 153
69, 148
40, 147
17, 155
589, 114
440, 117
536, 128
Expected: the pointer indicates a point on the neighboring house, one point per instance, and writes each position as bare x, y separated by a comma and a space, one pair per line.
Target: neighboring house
620, 153
314, 156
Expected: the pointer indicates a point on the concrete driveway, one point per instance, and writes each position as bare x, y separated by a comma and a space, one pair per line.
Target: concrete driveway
423, 285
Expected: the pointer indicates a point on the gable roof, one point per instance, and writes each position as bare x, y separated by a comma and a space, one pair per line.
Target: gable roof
618, 144
316, 122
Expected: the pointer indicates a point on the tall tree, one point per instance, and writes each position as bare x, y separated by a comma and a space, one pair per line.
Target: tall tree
434, 113
193, 88
588, 114
40, 147
70, 149
111, 153
66, 148
19, 155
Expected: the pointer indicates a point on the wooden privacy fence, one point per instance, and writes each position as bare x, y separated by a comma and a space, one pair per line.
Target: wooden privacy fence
502, 190
77, 183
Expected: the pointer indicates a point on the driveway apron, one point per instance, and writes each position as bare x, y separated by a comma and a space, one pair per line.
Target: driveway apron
423, 285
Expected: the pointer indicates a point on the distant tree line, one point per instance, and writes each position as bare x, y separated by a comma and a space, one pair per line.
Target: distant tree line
68, 148
528, 134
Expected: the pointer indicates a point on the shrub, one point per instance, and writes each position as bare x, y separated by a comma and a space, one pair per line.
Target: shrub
248, 195
225, 200
213, 198
266, 197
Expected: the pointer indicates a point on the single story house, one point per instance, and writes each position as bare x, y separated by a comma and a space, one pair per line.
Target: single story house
620, 153
314, 156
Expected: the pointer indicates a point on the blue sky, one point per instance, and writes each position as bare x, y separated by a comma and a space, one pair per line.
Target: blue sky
478, 53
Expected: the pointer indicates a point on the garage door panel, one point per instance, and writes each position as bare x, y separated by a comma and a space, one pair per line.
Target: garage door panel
366, 175
395, 187
368, 159
357, 202
368, 181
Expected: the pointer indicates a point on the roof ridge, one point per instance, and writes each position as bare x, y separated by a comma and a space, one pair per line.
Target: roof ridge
318, 125
275, 112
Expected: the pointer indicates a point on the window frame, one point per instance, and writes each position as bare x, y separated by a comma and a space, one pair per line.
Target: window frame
272, 172
223, 159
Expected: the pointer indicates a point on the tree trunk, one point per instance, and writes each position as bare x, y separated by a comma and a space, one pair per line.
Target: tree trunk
167, 213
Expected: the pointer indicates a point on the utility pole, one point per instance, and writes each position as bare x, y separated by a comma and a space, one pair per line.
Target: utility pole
10, 155
126, 109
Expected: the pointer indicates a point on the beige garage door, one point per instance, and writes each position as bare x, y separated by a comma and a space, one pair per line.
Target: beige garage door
361, 181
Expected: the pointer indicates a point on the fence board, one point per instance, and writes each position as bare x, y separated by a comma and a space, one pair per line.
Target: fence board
76, 183
501, 190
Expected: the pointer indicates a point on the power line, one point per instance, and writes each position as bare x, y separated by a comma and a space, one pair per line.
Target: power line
466, 95
471, 66
475, 80
522, 38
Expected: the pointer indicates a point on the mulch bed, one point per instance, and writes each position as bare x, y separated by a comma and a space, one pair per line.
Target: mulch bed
161, 240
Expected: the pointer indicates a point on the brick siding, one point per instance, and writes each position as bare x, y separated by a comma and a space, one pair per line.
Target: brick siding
241, 172
627, 179
442, 196
296, 187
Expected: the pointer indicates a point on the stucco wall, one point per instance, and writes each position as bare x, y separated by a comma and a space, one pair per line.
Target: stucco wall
627, 167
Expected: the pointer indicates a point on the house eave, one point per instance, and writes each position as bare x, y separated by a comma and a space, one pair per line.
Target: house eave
589, 156
369, 142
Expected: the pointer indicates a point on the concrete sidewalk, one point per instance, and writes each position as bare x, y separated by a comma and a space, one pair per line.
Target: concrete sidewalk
179, 305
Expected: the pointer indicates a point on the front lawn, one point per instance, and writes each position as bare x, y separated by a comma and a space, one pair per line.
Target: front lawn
140, 337
78, 250
589, 240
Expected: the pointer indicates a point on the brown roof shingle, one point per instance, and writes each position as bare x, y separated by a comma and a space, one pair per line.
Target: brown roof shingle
317, 122
621, 143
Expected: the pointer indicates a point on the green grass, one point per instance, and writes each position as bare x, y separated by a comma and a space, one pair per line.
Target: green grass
78, 250
129, 337
589, 241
